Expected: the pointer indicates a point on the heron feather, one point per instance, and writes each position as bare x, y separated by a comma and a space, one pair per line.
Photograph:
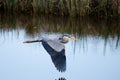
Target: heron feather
56, 45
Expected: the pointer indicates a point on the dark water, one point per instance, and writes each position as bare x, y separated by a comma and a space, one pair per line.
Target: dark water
95, 55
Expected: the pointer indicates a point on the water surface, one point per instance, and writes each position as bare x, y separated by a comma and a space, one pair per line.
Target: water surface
95, 55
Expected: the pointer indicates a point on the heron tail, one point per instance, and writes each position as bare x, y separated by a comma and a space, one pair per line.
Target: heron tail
32, 41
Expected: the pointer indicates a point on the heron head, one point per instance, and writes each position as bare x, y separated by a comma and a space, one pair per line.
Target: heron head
65, 38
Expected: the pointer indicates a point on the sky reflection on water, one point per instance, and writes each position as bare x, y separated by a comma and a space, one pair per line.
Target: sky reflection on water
94, 56
86, 59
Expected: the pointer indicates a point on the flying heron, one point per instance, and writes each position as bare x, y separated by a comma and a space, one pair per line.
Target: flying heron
56, 49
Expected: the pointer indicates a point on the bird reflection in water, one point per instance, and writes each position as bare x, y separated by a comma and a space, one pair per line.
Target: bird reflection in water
56, 49
61, 78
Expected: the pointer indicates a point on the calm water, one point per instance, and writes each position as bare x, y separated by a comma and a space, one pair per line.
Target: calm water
95, 55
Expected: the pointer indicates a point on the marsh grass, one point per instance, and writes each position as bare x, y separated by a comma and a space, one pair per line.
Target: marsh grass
100, 8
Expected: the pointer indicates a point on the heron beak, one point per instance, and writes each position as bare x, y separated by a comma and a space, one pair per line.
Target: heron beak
73, 38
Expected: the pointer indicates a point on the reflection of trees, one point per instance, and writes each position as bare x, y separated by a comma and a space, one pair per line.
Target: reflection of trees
82, 27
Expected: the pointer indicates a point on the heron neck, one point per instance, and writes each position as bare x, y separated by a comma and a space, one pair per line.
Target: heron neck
32, 41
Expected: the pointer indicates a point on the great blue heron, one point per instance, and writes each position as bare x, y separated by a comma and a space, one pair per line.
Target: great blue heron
56, 49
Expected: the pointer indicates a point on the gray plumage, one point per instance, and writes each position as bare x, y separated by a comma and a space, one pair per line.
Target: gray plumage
56, 49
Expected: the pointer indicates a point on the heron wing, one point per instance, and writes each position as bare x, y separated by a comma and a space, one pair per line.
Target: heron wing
56, 45
59, 61
58, 57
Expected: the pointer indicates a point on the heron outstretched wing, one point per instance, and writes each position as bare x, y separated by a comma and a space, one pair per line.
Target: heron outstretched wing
57, 53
